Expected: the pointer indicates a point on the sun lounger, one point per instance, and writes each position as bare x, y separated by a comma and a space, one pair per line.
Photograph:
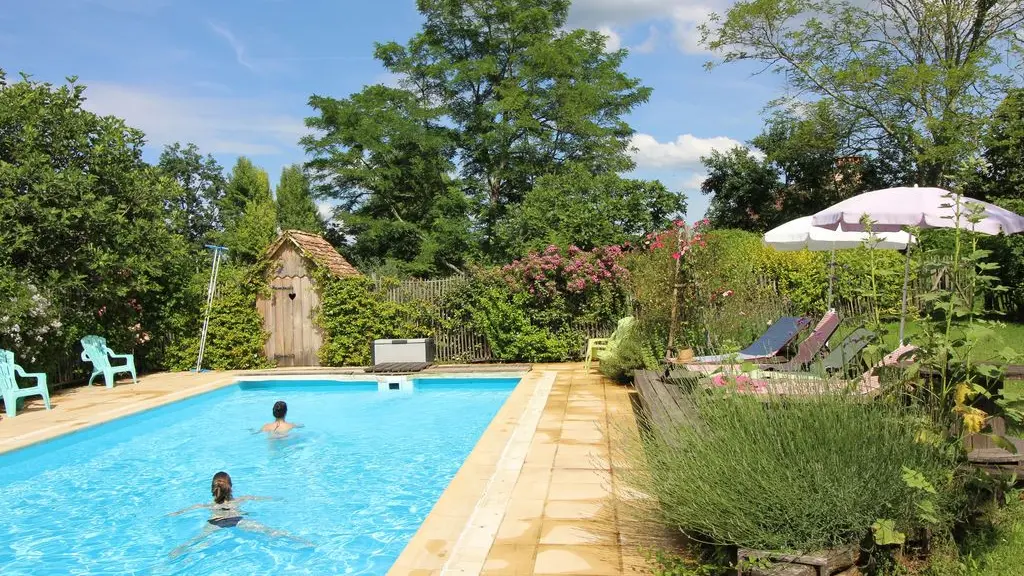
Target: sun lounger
813, 344
781, 333
787, 383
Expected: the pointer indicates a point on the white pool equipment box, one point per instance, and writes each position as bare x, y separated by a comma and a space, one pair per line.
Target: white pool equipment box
405, 350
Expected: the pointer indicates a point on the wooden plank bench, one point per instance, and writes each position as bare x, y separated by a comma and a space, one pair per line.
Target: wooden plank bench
663, 404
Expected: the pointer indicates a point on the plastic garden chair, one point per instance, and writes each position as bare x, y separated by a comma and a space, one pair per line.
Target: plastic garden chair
95, 350
12, 393
598, 347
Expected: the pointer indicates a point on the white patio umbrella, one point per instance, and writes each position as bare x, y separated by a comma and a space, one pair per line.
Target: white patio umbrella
892, 209
801, 234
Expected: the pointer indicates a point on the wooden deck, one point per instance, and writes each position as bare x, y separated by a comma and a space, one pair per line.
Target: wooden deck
398, 367
663, 405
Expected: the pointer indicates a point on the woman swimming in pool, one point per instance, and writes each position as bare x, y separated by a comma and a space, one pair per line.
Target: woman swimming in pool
225, 513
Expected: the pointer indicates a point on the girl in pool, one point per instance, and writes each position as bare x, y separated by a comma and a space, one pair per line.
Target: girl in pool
225, 513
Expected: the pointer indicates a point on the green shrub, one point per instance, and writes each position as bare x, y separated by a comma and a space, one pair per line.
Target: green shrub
792, 473
353, 312
641, 347
515, 328
235, 337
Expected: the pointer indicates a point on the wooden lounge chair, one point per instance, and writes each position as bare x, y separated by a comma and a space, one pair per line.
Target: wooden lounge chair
789, 383
12, 393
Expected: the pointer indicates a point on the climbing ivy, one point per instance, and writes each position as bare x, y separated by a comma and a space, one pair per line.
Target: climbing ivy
353, 312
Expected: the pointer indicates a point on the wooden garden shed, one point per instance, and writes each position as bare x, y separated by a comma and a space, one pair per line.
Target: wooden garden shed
289, 309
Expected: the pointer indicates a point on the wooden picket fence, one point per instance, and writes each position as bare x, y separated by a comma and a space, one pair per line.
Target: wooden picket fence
463, 344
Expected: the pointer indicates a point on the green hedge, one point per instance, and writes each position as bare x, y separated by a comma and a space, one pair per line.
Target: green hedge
353, 312
235, 337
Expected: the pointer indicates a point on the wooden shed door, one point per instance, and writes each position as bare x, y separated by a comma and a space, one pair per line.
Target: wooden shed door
288, 316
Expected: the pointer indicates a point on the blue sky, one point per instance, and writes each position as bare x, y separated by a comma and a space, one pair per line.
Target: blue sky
234, 76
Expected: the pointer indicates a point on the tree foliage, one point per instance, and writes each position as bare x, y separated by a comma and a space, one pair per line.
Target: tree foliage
806, 158
579, 208
247, 183
84, 216
193, 210
1002, 178
296, 209
387, 159
495, 95
914, 73
249, 213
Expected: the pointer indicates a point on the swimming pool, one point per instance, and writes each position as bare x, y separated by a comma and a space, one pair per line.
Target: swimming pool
356, 482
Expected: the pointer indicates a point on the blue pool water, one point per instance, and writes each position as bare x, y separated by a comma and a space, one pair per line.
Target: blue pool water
356, 482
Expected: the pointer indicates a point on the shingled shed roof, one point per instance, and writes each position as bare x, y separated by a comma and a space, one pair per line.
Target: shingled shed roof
316, 249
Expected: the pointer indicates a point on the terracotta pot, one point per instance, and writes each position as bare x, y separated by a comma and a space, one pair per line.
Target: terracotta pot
685, 355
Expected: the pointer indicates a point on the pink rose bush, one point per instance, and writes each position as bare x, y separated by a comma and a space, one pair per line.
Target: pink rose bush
572, 272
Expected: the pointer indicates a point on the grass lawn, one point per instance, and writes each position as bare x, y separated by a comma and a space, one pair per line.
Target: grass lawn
999, 550
988, 350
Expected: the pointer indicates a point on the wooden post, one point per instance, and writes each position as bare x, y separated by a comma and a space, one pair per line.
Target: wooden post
680, 235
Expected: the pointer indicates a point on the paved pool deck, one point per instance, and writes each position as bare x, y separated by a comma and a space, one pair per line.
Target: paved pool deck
541, 492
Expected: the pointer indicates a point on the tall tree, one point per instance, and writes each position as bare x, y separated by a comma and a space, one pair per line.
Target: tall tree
247, 182
918, 73
296, 209
248, 212
586, 210
744, 190
83, 217
201, 187
501, 86
386, 158
1002, 178
804, 160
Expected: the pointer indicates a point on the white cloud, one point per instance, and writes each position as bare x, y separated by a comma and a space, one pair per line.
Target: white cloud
235, 44
326, 210
217, 125
693, 182
612, 40
684, 152
648, 45
684, 16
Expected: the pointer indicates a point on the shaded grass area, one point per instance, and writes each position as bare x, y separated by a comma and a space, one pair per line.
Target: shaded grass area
1009, 335
998, 549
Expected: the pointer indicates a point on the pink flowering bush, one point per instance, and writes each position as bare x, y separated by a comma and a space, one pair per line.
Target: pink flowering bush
534, 308
590, 285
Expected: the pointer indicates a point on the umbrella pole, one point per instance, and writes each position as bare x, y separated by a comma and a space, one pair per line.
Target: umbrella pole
906, 282
831, 276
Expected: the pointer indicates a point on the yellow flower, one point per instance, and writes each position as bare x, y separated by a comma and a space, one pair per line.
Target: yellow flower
974, 419
961, 392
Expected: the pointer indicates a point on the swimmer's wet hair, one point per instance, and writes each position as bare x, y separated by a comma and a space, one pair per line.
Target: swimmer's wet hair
280, 409
221, 487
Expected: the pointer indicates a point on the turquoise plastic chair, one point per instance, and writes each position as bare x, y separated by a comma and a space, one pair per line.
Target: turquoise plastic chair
95, 350
13, 394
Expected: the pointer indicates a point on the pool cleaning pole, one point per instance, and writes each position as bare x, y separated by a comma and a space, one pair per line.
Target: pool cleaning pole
211, 288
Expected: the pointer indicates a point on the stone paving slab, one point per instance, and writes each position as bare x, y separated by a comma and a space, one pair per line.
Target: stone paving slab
564, 513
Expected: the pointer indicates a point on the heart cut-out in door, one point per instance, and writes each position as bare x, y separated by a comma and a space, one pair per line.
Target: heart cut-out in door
291, 295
